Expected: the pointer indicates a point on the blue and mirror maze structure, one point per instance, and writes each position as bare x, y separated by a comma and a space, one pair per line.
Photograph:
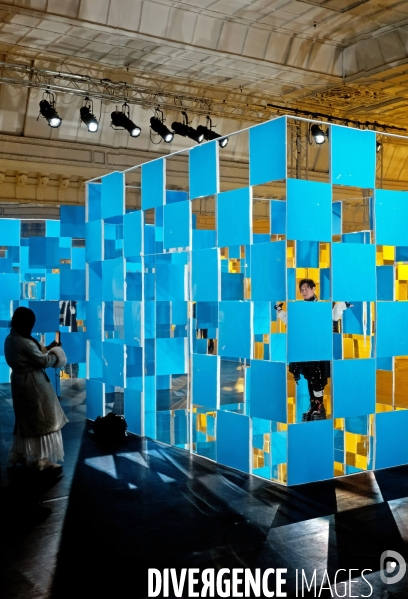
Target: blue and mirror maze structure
42, 267
184, 300
184, 305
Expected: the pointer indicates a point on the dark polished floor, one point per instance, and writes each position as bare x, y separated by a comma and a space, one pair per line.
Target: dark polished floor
97, 530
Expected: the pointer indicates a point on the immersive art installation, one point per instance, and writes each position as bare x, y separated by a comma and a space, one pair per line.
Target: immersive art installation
42, 267
178, 308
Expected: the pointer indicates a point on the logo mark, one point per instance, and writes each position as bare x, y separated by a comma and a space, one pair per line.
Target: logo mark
392, 567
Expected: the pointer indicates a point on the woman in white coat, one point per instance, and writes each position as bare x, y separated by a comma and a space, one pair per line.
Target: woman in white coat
38, 415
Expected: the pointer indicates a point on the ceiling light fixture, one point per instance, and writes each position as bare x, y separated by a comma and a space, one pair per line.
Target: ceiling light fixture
48, 112
185, 130
318, 134
210, 135
157, 125
88, 117
121, 120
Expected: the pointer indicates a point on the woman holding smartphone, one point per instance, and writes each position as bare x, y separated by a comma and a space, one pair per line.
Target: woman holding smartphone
39, 416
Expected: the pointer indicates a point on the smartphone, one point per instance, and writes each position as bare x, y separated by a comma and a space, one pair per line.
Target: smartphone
57, 337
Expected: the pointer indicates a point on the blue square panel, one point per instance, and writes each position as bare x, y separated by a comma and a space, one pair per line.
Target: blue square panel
113, 279
205, 380
132, 234
173, 196
9, 232
268, 390
171, 282
95, 281
47, 316
72, 221
385, 283
171, 356
176, 221
93, 201
95, 391
153, 184
391, 217
72, 284
133, 323
10, 285
307, 254
391, 439
268, 271
113, 363
353, 156
354, 272
205, 275
133, 410
235, 329
392, 327
309, 331
267, 152
309, 206
52, 286
78, 258
336, 218
278, 217
93, 241
203, 170
302, 439
233, 440
234, 217
44, 252
113, 195
353, 387
74, 345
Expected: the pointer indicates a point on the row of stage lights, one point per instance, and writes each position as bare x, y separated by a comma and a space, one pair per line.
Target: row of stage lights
120, 119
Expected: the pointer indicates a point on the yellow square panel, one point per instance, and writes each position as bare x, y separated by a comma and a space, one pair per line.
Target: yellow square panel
282, 473
338, 469
339, 424
361, 462
388, 252
380, 407
258, 350
402, 272
350, 442
350, 459
324, 255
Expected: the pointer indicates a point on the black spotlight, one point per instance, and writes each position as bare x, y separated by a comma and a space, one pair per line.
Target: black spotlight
318, 134
157, 125
185, 130
378, 146
121, 120
47, 110
87, 117
209, 134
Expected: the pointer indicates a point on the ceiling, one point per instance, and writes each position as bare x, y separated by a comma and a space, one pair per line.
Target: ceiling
346, 58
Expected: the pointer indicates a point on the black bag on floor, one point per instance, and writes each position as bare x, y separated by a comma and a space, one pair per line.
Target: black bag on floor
110, 429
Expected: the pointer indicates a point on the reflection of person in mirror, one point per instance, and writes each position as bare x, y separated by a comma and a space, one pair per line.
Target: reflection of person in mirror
68, 318
315, 372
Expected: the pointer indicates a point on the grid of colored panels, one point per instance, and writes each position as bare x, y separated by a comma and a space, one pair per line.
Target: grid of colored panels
42, 267
182, 317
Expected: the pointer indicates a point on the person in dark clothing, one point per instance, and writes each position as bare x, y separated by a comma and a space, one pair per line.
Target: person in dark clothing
316, 373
